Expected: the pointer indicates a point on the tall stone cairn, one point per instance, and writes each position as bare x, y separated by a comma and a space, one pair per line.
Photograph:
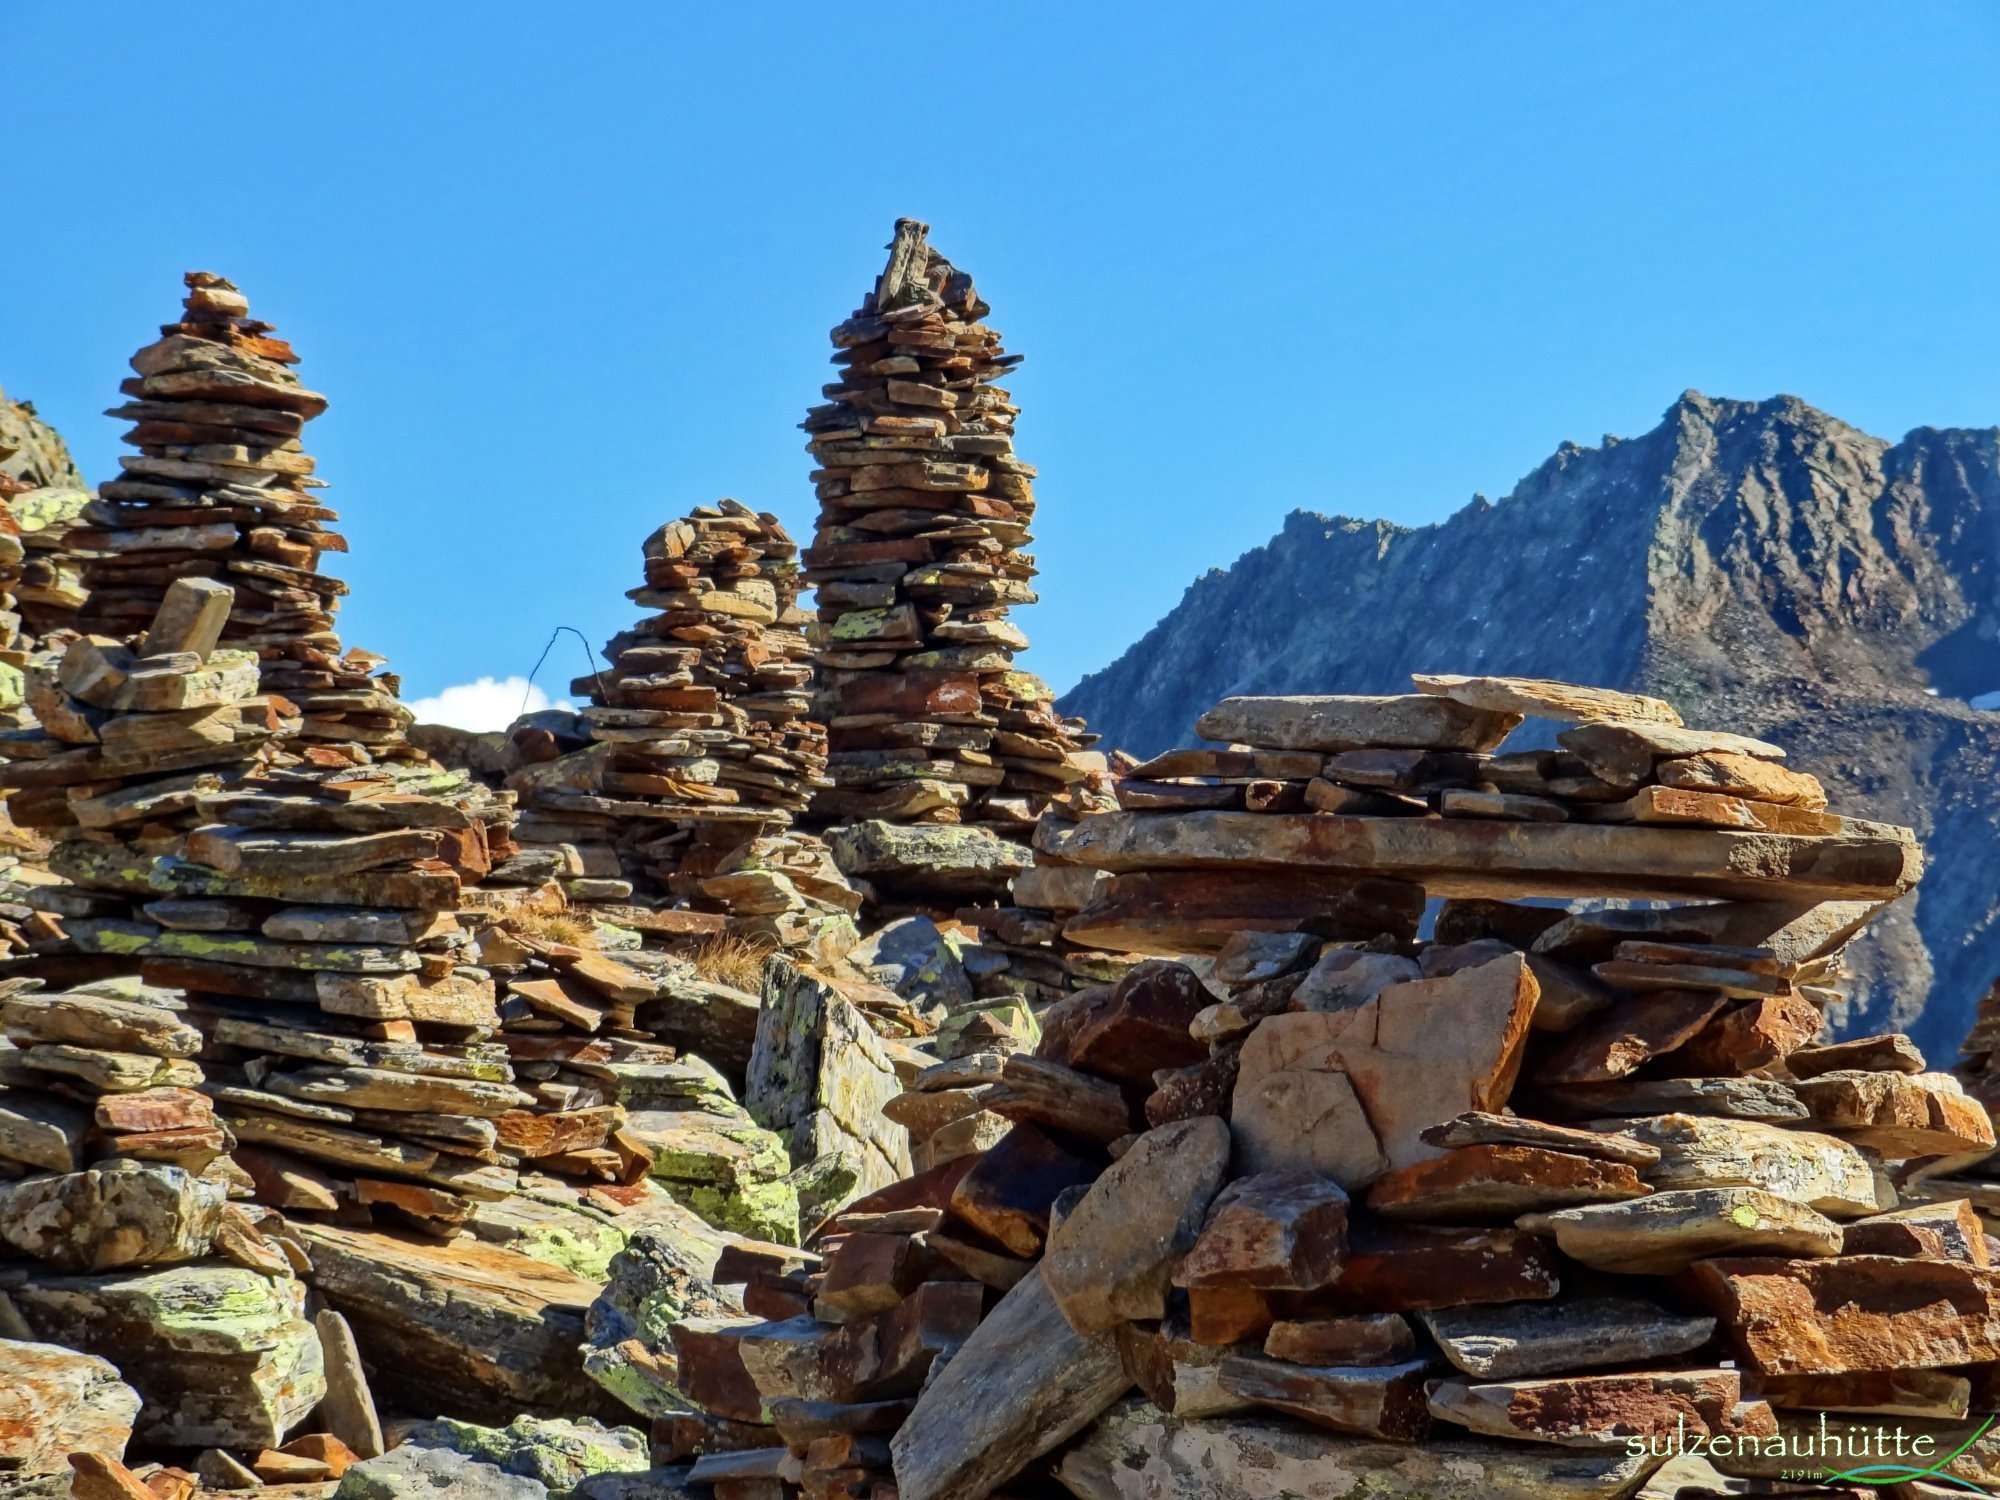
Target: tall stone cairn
221, 487
924, 508
41, 582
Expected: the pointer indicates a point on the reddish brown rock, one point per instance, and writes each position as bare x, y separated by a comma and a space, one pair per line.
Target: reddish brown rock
1475, 1183
1847, 1313
1898, 1115
1349, 1093
1750, 1036
1205, 1088
1929, 1394
1891, 1052
1007, 1194
1134, 1028
1633, 1032
1479, 1128
1362, 1339
1595, 1411
1382, 1401
1406, 1268
1224, 1315
1278, 1231
1926, 1231
1113, 1255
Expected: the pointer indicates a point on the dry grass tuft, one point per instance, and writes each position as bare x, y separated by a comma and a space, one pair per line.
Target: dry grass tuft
555, 927
731, 959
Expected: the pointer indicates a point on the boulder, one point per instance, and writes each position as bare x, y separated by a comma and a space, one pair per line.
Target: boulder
221, 1356
732, 1172
913, 958
1277, 1231
658, 1279
55, 1402
126, 1214
459, 1326
960, 859
1112, 1257
412, 1473
819, 1077
1024, 1383
1349, 1093
556, 1452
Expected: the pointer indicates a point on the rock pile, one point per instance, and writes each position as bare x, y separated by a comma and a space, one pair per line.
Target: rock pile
924, 508
1561, 1177
701, 748
41, 580
221, 487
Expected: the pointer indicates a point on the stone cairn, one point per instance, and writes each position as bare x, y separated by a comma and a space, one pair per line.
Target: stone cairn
1474, 1212
916, 563
221, 487
121, 1174
41, 581
702, 749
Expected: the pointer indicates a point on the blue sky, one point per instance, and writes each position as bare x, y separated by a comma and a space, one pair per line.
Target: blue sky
566, 272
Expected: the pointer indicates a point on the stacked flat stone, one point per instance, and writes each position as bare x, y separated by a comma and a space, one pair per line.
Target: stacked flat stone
129, 737
221, 487
41, 580
1561, 1177
916, 563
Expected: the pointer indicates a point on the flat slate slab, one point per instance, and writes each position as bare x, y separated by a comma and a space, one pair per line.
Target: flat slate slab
1491, 858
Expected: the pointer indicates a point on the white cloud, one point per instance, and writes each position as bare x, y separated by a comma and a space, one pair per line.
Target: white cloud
489, 703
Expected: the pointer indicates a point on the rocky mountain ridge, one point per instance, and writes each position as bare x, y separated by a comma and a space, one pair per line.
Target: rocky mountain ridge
1764, 565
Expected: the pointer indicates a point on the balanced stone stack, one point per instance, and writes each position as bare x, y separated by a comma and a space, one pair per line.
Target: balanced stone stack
1507, 1212
41, 580
924, 508
221, 487
702, 749
128, 739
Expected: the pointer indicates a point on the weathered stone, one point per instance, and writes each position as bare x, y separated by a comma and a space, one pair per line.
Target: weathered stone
1851, 1313
1631, 1033
1930, 1394
95, 1021
1898, 1114
913, 958
1134, 1453
1478, 1128
126, 1214
1510, 1341
1176, 1373
1381, 1401
1536, 698
1948, 1230
1277, 1231
413, 1473
1664, 1233
1474, 1183
1750, 1036
557, 1452
819, 1077
1417, 720
1809, 1168
1408, 1268
1890, 1053
39, 1131
1603, 1411
55, 1402
731, 1172
1022, 1384
1720, 1098
1065, 1100
1363, 1339
1733, 774
1627, 751
1132, 1029
961, 859
349, 1407
1007, 1194
1113, 1256
1350, 1093
220, 1355
487, 1332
